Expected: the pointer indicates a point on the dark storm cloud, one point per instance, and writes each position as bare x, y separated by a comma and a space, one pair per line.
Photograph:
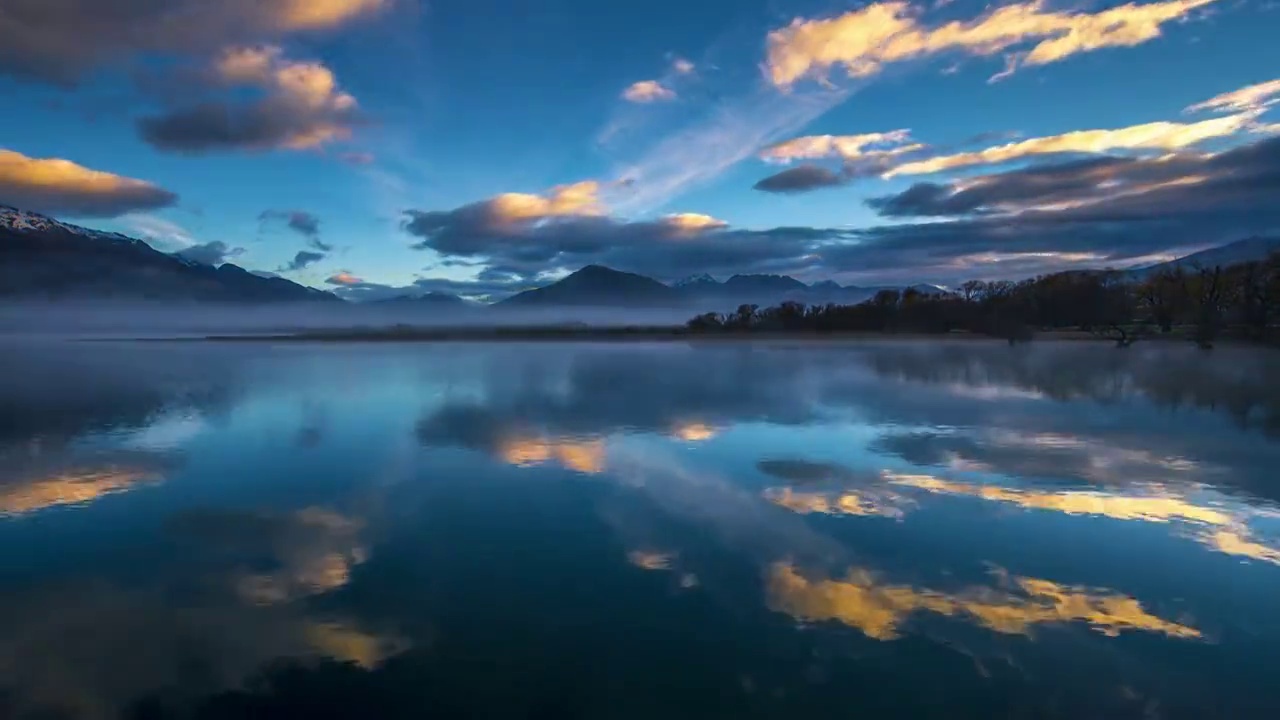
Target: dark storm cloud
210, 253
1090, 213
63, 41
664, 249
304, 223
801, 179
303, 260
1237, 180
1080, 214
263, 125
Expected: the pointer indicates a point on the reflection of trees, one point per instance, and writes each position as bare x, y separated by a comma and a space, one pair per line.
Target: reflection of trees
57, 391
1237, 382
607, 391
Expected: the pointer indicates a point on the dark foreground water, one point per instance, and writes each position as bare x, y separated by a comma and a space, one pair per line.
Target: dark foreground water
945, 530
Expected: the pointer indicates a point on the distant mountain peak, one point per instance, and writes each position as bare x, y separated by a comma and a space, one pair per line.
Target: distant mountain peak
692, 280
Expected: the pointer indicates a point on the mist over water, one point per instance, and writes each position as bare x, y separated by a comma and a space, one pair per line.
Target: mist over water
766, 529
140, 319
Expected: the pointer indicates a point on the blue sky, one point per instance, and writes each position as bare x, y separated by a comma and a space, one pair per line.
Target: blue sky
390, 130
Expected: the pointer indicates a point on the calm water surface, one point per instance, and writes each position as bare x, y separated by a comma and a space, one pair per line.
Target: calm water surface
949, 530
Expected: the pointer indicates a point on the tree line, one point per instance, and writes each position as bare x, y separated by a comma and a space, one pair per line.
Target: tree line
1199, 303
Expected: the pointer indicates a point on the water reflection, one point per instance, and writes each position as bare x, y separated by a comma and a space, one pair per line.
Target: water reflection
519, 527
75, 486
877, 609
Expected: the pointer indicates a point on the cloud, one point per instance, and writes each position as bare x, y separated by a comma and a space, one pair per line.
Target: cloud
1253, 98
529, 243
296, 106
302, 260
213, 253
874, 502
652, 559
61, 187
75, 486
343, 278
1165, 136
724, 134
801, 178
647, 91
63, 42
681, 66
315, 550
860, 600
1088, 213
301, 222
847, 147
164, 235
1081, 213
1106, 187
864, 41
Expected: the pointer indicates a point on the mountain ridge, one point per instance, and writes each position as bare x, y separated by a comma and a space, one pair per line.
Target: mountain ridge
44, 258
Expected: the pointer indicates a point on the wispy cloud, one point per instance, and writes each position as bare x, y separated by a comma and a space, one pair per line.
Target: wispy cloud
1167, 136
864, 41
647, 91
1253, 98
701, 151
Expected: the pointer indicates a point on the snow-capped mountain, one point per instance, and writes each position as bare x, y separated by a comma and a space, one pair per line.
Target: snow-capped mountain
695, 281
26, 222
42, 258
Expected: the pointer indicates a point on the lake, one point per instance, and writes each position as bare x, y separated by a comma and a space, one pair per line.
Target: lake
953, 529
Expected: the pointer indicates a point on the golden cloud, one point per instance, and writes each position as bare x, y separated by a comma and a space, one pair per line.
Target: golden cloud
77, 487
576, 200
1165, 136
348, 643
651, 559
1235, 541
863, 41
694, 432
317, 554
847, 147
860, 601
344, 278
320, 14
647, 91
1224, 531
1152, 508
692, 223
586, 457
869, 502
1253, 98
53, 185
307, 89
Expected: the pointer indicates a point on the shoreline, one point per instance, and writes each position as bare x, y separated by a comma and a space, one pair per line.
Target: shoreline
622, 334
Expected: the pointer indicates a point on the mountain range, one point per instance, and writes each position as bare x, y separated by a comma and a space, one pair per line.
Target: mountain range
45, 259
605, 287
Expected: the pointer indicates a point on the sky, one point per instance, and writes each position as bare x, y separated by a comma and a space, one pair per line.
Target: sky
481, 147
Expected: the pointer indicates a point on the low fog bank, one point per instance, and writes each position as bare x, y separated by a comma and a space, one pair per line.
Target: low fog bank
170, 319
